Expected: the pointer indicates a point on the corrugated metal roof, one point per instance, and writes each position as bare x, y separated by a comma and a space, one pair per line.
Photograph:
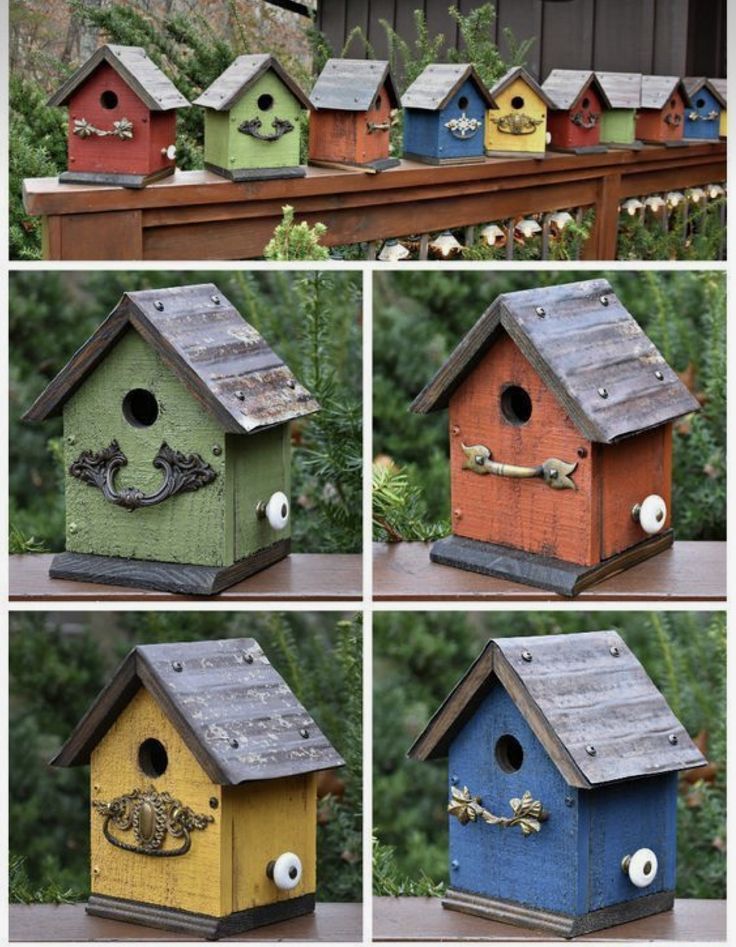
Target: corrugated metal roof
351, 85
437, 83
239, 76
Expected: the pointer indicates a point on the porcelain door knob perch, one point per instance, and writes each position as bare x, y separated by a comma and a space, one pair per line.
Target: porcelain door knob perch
169, 152
275, 510
285, 871
650, 514
641, 867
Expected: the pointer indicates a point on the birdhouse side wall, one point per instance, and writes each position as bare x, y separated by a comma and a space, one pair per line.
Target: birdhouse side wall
723, 125
421, 132
473, 107
618, 126
260, 821
190, 882
245, 151
163, 136
373, 145
258, 466
703, 105
191, 526
109, 153
333, 135
531, 106
619, 820
665, 124
540, 870
564, 133
524, 514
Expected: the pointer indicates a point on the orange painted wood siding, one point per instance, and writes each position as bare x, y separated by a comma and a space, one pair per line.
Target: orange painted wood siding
336, 135
651, 124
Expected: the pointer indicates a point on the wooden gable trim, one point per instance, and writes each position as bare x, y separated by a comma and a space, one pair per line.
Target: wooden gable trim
268, 63
518, 72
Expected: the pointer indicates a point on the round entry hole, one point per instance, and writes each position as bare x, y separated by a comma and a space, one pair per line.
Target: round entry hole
152, 757
516, 405
509, 753
140, 408
265, 102
700, 103
586, 102
462, 102
517, 102
108, 99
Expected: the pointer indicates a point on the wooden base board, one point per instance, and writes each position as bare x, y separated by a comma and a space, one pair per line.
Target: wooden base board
371, 167
540, 155
201, 925
133, 181
562, 925
256, 174
176, 577
556, 575
680, 143
583, 150
624, 145
429, 159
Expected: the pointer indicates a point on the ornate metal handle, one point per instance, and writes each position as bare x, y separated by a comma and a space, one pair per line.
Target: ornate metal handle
378, 127
671, 119
252, 127
529, 814
122, 129
463, 127
182, 473
516, 123
151, 816
697, 117
590, 122
555, 473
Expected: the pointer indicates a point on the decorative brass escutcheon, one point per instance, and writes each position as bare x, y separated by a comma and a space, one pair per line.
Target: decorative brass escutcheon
529, 814
555, 473
252, 127
151, 816
516, 123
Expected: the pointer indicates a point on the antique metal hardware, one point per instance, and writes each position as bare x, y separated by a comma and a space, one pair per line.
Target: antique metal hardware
529, 814
671, 119
516, 123
555, 473
182, 473
583, 120
378, 127
151, 816
463, 127
122, 129
252, 127
697, 117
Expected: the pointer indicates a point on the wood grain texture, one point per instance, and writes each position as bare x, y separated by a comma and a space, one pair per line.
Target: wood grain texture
685, 572
345, 135
664, 122
517, 93
437, 83
353, 85
242, 74
332, 923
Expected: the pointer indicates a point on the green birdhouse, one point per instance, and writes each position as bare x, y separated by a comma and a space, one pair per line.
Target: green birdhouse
253, 113
176, 445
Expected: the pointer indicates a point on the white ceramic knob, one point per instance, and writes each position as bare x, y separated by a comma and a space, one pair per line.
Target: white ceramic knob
548, 138
285, 871
169, 152
641, 867
651, 514
277, 510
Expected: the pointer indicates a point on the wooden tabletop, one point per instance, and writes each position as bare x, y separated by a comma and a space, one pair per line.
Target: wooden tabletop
424, 919
69, 922
688, 571
300, 577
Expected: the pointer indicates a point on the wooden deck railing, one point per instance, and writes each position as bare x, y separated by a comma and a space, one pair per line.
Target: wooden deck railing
195, 215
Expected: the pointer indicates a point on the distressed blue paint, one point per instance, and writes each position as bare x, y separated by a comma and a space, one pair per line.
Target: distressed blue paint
703, 103
425, 133
540, 870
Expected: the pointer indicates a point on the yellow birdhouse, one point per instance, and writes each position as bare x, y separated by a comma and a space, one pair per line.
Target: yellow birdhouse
203, 790
518, 126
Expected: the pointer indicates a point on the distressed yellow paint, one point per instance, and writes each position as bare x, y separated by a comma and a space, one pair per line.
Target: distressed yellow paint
192, 882
533, 106
260, 821
723, 126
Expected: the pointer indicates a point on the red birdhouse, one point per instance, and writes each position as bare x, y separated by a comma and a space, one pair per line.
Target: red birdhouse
350, 122
574, 122
661, 118
122, 119
561, 415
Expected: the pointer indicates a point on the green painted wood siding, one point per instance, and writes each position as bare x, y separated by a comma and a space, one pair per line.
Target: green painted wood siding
618, 125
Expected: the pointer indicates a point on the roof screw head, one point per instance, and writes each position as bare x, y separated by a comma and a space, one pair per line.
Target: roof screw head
659, 375
590, 750
614, 650
526, 656
248, 658
603, 393
673, 739
177, 665
240, 395
215, 300
304, 733
604, 300
233, 743
216, 450
540, 312
158, 305
290, 383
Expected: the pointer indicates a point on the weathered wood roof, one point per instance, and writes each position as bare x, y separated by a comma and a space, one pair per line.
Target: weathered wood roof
580, 347
136, 68
228, 703
721, 88
518, 72
578, 691
565, 86
656, 91
351, 85
622, 88
694, 84
239, 76
221, 360
437, 83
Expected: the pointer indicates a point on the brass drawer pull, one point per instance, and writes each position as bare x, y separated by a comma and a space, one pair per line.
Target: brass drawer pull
529, 814
555, 473
252, 127
516, 123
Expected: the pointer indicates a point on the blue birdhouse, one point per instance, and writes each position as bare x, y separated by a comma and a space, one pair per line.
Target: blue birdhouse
563, 761
703, 117
444, 115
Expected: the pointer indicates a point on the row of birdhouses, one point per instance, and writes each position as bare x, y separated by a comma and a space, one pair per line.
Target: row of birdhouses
122, 116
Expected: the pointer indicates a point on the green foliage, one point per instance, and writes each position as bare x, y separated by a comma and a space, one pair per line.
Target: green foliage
698, 235
21, 891
417, 324
418, 658
388, 882
292, 241
399, 513
59, 663
476, 31
52, 313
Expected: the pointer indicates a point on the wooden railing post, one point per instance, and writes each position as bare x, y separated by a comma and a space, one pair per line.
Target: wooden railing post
602, 242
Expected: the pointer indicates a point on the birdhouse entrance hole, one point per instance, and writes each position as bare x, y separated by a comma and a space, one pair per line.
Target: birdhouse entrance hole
462, 102
509, 753
517, 102
108, 99
586, 102
152, 757
140, 408
700, 103
265, 102
516, 404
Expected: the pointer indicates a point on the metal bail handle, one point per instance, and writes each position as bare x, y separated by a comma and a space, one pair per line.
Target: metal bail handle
555, 473
252, 127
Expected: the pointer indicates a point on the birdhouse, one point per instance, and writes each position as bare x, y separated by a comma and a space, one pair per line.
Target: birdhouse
518, 125
253, 114
560, 413
563, 759
122, 119
203, 790
721, 88
350, 123
661, 118
574, 120
176, 445
703, 117
444, 115
618, 124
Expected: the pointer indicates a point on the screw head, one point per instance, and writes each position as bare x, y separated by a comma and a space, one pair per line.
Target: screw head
240, 395
582, 452
248, 658
554, 474
158, 305
604, 300
479, 459
659, 375
291, 383
673, 739
215, 300
71, 439
73, 527
304, 733
177, 665
603, 393
590, 750
614, 650
214, 802
526, 656
540, 311
216, 450
233, 743
454, 864
569, 801
454, 779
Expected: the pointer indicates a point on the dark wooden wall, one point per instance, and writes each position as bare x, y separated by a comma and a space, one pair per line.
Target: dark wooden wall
678, 37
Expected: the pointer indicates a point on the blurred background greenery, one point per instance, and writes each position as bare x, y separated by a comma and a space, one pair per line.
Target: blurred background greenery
418, 658
313, 321
59, 663
418, 319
